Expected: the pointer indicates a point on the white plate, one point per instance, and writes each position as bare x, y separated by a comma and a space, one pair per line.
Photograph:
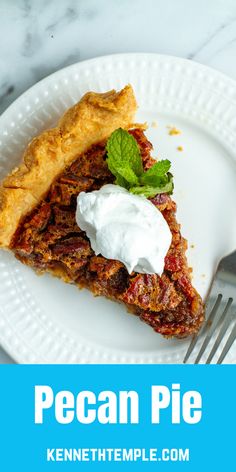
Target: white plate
43, 320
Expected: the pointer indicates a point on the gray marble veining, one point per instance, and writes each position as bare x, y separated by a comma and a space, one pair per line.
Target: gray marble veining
38, 37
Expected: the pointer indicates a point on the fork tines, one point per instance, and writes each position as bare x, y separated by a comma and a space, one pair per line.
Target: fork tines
218, 319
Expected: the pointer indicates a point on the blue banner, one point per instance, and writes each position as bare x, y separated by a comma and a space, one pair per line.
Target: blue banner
152, 417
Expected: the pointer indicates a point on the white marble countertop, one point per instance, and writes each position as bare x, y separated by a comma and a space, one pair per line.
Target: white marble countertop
38, 37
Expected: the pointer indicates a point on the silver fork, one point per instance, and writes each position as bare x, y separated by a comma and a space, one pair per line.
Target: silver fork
220, 313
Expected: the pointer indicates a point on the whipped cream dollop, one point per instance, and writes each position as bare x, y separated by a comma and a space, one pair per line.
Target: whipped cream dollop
125, 227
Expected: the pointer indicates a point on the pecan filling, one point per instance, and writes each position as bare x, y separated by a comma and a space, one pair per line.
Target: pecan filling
50, 240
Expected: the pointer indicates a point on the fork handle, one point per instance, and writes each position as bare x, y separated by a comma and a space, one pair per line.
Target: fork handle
228, 263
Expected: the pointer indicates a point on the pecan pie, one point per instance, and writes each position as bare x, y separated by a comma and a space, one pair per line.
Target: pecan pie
37, 216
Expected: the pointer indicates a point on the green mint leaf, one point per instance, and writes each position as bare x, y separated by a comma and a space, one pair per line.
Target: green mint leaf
125, 176
128, 174
150, 191
122, 182
123, 151
152, 180
159, 169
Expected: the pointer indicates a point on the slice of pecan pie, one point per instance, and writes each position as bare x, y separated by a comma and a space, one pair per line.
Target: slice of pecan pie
37, 216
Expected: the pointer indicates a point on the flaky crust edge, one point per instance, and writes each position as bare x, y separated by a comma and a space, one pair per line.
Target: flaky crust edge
91, 120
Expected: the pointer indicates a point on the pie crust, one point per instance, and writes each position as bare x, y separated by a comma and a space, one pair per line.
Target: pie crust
91, 120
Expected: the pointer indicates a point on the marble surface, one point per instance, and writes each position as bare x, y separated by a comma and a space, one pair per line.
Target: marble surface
38, 37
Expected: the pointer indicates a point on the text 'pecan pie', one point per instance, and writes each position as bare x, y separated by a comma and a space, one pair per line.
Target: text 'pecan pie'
38, 206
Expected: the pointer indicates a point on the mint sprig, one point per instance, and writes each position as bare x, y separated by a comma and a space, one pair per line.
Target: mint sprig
125, 163
123, 158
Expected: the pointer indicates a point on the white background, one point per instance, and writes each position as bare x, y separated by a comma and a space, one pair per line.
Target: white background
40, 37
